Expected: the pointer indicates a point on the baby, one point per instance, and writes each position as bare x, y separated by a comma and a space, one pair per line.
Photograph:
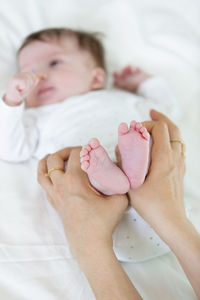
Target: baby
58, 99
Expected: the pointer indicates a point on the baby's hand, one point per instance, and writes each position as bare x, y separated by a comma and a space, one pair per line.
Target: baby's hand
130, 78
20, 87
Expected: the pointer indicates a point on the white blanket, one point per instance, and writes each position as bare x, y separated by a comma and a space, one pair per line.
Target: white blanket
160, 36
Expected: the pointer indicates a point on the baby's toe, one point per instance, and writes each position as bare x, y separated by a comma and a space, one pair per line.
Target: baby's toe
94, 143
123, 129
85, 165
83, 152
84, 158
138, 126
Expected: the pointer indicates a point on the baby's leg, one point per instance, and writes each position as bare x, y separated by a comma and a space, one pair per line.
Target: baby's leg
134, 148
103, 174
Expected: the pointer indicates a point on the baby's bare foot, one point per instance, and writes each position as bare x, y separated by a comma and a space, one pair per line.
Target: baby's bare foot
133, 146
104, 175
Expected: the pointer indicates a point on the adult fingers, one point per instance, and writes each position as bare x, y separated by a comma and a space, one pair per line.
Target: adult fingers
65, 153
161, 140
51, 200
174, 132
76, 174
58, 161
44, 181
55, 166
74, 165
161, 153
72, 155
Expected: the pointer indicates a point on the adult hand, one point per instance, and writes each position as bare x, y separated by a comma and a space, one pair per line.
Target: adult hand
89, 218
160, 199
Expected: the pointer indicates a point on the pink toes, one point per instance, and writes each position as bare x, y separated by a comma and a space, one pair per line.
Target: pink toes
132, 125
144, 133
135, 125
85, 165
94, 143
84, 158
84, 154
123, 129
139, 128
87, 147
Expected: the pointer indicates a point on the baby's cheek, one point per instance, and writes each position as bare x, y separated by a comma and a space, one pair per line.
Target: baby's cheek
31, 100
84, 81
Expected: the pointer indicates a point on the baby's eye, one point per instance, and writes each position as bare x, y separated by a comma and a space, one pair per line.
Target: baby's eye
54, 63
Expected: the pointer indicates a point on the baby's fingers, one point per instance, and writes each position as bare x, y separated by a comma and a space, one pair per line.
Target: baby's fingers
20, 85
32, 79
127, 71
29, 82
116, 75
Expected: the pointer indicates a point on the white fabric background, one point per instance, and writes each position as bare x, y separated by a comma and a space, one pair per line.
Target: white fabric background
162, 37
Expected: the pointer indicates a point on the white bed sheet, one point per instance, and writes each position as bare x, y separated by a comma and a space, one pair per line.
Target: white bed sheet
163, 37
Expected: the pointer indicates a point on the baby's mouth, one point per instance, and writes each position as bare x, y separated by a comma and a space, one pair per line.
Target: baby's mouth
45, 90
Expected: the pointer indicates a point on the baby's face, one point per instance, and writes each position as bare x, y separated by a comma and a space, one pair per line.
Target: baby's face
67, 70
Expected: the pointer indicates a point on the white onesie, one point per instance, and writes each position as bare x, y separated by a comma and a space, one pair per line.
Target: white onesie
35, 132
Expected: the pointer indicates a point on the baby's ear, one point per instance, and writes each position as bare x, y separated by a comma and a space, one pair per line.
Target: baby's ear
98, 79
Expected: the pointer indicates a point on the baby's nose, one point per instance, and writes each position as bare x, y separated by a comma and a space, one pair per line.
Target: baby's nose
42, 75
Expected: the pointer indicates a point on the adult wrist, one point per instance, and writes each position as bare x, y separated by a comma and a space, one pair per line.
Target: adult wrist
93, 252
176, 231
96, 260
106, 276
184, 241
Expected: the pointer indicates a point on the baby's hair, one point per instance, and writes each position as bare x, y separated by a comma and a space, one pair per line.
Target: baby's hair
86, 40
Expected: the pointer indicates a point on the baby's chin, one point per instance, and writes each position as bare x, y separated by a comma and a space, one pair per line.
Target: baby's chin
44, 101
51, 98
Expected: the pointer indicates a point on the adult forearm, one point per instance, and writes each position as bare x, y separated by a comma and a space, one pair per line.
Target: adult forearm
106, 276
184, 241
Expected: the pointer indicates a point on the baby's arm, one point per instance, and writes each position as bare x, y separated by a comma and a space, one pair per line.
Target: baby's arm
18, 142
157, 91
154, 90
